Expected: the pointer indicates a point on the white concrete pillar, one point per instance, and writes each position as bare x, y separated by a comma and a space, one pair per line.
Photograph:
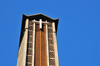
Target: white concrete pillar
55, 45
23, 47
47, 44
33, 56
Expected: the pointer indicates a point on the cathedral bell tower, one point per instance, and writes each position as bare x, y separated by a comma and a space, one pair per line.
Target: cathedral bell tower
38, 45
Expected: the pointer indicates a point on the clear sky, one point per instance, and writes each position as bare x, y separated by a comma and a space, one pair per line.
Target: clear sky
78, 34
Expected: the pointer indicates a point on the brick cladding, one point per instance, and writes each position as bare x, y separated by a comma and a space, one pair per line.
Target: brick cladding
40, 46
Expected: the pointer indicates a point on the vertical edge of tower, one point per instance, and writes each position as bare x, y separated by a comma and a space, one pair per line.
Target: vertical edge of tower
52, 40
21, 61
55, 45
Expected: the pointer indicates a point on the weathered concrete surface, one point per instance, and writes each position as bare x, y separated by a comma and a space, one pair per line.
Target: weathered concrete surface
21, 61
47, 45
55, 45
33, 44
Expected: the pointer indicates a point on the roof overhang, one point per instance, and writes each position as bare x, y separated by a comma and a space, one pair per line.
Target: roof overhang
36, 17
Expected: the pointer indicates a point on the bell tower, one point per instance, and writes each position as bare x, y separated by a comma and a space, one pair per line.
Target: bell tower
38, 45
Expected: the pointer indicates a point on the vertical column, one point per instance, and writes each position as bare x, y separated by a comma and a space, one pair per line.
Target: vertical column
55, 45
51, 45
25, 39
30, 45
33, 45
47, 45
23, 47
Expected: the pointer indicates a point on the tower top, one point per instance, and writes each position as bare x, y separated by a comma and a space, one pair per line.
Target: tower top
40, 15
37, 17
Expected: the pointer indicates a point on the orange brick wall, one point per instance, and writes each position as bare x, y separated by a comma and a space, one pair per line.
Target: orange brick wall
40, 46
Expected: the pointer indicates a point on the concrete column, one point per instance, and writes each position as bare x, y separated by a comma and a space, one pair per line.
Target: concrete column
23, 47
33, 44
26, 38
55, 45
47, 44
26, 23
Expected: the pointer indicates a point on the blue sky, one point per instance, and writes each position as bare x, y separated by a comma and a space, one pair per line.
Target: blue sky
78, 35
